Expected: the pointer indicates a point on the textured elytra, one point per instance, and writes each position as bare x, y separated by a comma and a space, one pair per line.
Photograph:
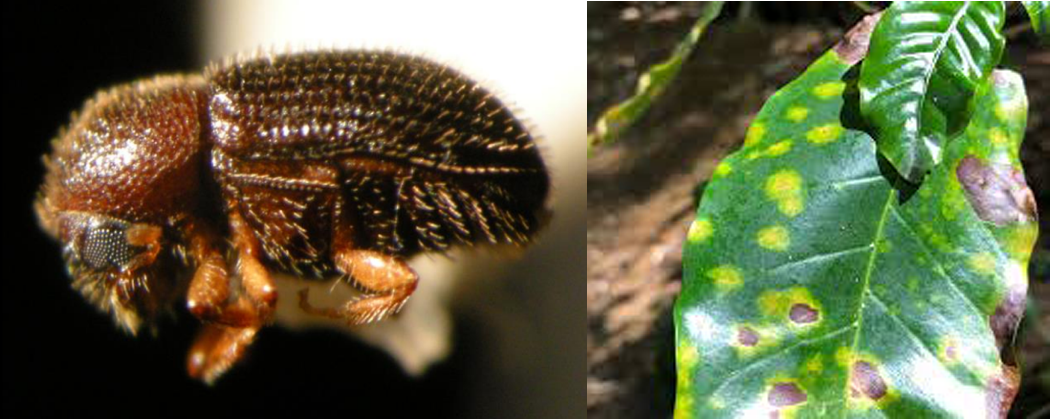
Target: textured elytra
425, 157
877, 306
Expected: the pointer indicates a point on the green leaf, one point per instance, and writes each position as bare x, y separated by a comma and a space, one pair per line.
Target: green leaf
651, 84
1039, 14
811, 290
925, 62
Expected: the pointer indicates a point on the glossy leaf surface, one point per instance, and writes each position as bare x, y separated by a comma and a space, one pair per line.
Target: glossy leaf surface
1039, 14
925, 62
811, 290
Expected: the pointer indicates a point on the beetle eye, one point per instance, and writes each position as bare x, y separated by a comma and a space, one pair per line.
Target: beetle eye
105, 246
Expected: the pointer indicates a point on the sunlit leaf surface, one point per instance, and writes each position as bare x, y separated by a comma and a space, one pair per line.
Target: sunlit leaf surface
925, 63
1039, 14
811, 290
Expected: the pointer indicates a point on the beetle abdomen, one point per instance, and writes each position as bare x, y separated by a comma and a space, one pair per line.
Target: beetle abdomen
424, 157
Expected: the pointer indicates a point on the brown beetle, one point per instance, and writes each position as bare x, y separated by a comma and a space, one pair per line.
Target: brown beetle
316, 164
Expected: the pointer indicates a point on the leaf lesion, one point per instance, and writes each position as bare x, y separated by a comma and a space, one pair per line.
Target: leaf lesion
773, 355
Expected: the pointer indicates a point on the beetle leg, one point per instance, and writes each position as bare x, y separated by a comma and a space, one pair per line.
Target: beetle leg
386, 280
256, 280
231, 324
216, 349
209, 289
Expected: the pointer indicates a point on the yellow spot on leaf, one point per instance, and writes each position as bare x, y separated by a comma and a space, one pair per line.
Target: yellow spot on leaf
779, 148
829, 90
783, 184
796, 113
774, 238
948, 350
998, 137
683, 405
700, 230
688, 359
778, 303
791, 206
723, 169
785, 188
754, 134
883, 245
814, 364
824, 134
1007, 110
774, 150
843, 356
953, 200
768, 337
1019, 243
726, 276
982, 263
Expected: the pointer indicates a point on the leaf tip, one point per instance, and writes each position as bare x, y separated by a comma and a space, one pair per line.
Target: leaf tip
854, 46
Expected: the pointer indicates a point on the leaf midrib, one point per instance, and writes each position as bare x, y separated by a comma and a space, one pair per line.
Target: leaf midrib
932, 68
867, 279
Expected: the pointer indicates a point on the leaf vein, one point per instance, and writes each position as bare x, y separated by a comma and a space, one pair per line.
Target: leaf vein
819, 257
943, 271
829, 335
867, 277
932, 67
914, 337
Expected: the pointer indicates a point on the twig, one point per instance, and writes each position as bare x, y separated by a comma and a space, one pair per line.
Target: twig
865, 6
651, 84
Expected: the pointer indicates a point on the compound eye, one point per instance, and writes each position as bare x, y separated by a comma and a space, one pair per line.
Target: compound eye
105, 246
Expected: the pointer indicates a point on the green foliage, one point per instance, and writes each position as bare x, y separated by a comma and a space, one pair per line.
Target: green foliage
816, 284
651, 84
1039, 14
925, 62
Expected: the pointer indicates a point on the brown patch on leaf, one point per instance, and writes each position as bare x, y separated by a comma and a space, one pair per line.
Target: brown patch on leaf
747, 336
1001, 392
1007, 315
786, 394
854, 46
865, 379
997, 192
803, 313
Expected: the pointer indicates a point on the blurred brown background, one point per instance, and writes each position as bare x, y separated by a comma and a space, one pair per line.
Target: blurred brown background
640, 194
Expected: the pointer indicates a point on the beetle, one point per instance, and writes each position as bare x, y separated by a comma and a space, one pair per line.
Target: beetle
198, 188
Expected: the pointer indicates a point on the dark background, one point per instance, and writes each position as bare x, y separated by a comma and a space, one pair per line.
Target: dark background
61, 357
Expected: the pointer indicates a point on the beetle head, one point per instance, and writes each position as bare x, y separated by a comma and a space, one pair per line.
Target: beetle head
124, 173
